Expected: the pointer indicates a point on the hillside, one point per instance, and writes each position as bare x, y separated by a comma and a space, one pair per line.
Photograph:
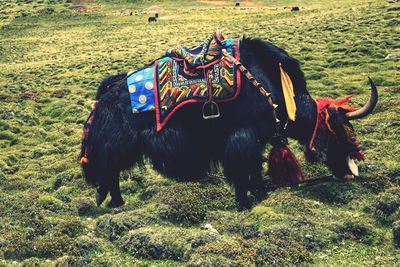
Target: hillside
53, 55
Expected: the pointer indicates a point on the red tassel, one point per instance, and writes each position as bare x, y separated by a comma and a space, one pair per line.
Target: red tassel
84, 160
283, 167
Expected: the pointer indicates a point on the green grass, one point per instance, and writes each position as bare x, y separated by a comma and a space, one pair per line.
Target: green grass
51, 61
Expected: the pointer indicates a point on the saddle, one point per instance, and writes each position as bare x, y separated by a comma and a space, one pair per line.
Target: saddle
199, 56
183, 76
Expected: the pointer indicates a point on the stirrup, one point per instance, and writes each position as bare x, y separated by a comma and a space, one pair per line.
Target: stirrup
210, 110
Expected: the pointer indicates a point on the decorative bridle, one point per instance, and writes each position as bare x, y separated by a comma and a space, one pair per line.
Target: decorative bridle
322, 121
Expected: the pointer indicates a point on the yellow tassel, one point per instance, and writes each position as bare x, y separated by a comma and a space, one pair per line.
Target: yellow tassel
288, 93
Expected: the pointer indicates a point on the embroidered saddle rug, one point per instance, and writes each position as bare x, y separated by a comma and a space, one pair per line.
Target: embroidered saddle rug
186, 76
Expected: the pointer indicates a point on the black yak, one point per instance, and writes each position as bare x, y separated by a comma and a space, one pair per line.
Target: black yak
186, 146
152, 19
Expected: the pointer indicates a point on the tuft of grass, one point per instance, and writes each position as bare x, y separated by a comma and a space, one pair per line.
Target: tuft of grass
188, 203
153, 244
333, 192
386, 207
358, 232
113, 227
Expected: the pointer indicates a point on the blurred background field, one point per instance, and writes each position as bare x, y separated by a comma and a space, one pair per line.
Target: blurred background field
54, 53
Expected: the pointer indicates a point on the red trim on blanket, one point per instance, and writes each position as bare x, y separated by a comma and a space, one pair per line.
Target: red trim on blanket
156, 96
160, 125
238, 73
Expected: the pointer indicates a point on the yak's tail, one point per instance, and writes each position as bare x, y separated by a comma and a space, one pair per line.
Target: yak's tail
86, 147
84, 156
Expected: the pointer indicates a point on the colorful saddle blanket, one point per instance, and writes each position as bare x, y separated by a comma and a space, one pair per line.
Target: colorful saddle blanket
181, 77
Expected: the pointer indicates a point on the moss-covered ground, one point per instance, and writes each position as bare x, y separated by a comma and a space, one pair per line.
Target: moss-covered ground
53, 54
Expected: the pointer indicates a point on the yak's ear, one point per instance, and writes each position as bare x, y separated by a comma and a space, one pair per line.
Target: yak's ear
342, 110
331, 118
336, 117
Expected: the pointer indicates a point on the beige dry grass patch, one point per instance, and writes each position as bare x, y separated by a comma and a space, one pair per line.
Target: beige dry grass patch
217, 3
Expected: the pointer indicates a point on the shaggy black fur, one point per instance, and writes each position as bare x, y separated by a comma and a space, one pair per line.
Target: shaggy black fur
188, 144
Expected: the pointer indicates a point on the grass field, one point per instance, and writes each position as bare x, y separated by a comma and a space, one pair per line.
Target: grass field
54, 53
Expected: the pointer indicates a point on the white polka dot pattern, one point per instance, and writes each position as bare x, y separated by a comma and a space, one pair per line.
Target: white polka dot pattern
141, 89
149, 85
132, 89
142, 99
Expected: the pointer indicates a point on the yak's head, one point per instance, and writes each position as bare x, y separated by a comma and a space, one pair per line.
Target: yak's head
334, 141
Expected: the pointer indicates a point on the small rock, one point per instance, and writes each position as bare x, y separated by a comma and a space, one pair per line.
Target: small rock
210, 228
59, 93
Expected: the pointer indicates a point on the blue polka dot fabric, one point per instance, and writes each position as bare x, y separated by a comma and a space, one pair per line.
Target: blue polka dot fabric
141, 89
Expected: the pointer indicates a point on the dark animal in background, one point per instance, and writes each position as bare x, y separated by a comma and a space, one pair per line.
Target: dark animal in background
131, 13
237, 5
295, 8
152, 19
156, 15
188, 144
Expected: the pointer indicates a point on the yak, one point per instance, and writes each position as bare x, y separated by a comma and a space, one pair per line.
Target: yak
188, 144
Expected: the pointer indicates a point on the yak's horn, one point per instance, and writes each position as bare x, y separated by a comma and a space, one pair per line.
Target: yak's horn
369, 107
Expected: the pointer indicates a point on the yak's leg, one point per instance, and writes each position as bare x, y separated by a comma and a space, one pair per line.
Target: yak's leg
240, 159
98, 175
257, 185
101, 194
115, 192
241, 189
109, 183
240, 181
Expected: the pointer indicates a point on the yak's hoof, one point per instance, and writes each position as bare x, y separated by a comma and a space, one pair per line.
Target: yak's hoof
260, 195
115, 203
100, 196
244, 205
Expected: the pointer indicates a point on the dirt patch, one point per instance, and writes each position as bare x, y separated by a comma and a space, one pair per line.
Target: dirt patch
223, 3
168, 17
151, 9
79, 8
251, 3
217, 3
29, 95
